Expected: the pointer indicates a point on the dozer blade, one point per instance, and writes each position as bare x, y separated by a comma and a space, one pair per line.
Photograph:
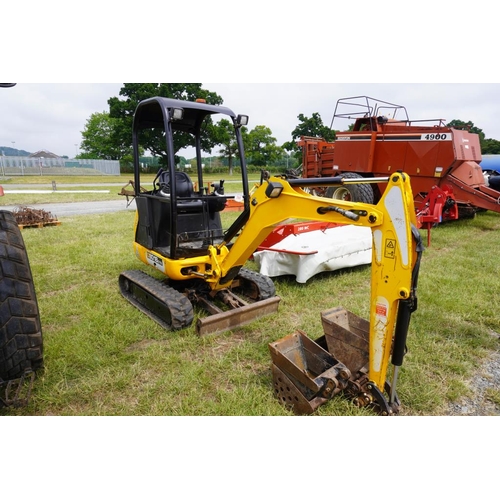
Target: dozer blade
227, 320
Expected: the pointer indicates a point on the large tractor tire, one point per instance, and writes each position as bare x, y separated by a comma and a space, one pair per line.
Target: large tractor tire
21, 345
359, 193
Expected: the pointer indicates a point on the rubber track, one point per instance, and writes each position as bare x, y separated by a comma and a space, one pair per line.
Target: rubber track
264, 284
21, 343
179, 306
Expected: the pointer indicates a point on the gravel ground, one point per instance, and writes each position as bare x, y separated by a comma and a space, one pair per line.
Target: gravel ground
477, 403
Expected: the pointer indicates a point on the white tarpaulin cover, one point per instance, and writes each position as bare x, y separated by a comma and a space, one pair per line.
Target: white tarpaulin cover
306, 254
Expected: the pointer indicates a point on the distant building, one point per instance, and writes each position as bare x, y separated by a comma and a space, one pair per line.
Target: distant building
43, 154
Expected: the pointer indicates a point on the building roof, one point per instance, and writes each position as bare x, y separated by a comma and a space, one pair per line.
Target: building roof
43, 153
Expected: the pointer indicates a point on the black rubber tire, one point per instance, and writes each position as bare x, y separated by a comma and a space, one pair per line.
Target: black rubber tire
21, 342
358, 193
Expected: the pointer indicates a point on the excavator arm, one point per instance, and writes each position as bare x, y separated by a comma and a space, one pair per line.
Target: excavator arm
396, 255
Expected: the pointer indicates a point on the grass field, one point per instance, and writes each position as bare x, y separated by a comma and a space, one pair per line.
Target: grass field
108, 190
103, 357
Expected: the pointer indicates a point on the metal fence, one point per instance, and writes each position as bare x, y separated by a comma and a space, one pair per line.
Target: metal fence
23, 165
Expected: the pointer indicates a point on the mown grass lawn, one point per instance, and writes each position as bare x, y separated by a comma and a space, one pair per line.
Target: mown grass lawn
89, 188
104, 357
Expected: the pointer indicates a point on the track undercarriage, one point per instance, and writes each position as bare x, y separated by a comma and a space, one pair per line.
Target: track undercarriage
171, 303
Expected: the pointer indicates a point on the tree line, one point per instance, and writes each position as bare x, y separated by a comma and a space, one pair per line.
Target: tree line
107, 134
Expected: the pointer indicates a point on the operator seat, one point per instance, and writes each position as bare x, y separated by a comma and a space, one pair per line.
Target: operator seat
183, 184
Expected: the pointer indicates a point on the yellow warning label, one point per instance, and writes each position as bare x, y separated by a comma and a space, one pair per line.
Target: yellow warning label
390, 249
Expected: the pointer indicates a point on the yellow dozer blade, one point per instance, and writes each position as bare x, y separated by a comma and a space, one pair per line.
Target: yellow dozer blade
227, 320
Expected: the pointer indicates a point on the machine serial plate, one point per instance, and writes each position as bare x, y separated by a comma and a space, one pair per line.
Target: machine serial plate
155, 261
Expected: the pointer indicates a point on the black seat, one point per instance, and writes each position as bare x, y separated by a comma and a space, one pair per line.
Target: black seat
183, 185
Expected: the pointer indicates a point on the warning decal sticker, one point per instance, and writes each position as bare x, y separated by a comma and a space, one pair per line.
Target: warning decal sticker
390, 249
381, 310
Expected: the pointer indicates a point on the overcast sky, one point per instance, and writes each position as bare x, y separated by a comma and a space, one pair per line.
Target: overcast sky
52, 116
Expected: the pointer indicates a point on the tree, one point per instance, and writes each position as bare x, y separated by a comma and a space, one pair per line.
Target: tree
311, 127
260, 146
224, 134
467, 126
98, 138
490, 147
122, 109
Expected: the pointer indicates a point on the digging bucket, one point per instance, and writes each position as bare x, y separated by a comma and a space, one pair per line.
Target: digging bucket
304, 374
346, 337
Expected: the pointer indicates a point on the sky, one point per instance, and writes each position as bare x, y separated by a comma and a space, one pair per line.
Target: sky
52, 116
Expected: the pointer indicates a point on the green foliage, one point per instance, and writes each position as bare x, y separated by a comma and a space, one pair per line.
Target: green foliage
490, 147
310, 127
122, 109
260, 146
98, 138
467, 126
224, 135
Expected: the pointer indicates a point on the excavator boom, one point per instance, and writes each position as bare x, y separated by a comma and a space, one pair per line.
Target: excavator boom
396, 252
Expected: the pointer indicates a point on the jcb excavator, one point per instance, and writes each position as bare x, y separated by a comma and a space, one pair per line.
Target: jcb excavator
178, 232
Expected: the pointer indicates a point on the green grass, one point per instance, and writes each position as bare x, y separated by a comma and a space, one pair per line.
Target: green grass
63, 179
104, 357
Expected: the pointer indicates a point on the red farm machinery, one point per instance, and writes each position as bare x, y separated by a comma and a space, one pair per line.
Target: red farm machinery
443, 162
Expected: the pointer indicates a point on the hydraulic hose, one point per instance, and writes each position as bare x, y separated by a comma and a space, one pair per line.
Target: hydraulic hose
406, 307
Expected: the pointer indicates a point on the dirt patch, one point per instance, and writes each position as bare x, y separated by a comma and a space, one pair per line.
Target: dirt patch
487, 379
141, 345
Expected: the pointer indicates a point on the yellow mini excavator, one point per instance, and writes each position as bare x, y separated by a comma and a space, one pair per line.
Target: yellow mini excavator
178, 232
